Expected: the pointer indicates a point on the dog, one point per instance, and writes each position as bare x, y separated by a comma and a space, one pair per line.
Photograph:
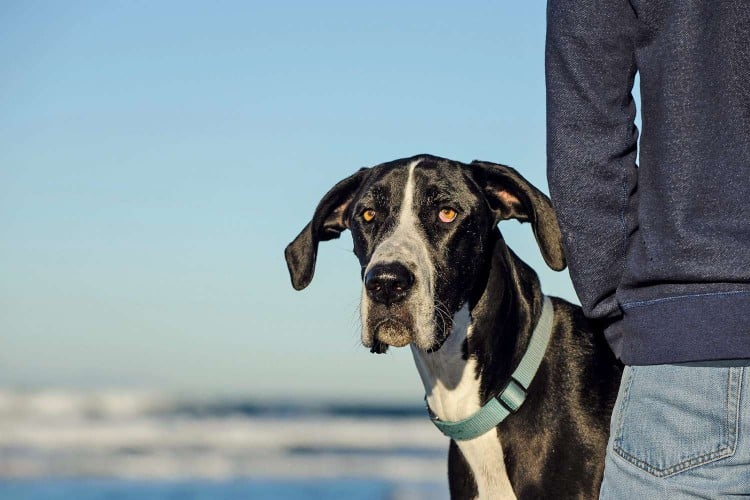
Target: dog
438, 276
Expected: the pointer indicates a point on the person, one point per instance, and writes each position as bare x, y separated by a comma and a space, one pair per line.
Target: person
659, 252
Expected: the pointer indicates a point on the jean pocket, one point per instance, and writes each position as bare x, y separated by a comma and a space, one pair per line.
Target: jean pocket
673, 418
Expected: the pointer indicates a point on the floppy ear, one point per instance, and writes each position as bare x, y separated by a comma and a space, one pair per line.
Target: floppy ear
513, 197
328, 222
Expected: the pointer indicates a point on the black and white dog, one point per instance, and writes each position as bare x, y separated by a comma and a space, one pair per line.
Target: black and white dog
438, 275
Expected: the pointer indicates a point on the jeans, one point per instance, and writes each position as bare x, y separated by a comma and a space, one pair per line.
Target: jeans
680, 431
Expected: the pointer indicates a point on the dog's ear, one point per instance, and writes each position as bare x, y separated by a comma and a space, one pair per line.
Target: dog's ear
328, 222
512, 197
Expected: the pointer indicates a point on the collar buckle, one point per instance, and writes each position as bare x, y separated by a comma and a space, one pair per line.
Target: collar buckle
513, 396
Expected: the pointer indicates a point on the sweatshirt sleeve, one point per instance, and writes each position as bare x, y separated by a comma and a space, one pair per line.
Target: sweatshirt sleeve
592, 141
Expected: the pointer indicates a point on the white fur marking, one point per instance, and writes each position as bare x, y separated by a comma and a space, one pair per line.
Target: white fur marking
407, 245
452, 388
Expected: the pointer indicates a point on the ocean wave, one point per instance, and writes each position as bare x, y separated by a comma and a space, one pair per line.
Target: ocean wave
124, 404
144, 435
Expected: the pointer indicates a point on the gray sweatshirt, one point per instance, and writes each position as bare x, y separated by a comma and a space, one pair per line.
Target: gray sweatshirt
659, 252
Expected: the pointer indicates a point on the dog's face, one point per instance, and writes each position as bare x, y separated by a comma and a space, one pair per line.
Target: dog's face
422, 230
419, 231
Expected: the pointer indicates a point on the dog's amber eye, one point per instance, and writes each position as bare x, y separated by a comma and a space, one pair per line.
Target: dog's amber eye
368, 215
447, 215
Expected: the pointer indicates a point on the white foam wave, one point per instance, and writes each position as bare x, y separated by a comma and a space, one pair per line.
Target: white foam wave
129, 435
58, 404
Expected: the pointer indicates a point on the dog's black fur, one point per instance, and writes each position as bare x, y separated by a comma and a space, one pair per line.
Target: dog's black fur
554, 444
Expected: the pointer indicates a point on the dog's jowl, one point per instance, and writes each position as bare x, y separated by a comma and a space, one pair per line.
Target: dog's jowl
522, 383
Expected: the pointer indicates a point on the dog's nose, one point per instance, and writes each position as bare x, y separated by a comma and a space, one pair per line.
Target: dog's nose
388, 283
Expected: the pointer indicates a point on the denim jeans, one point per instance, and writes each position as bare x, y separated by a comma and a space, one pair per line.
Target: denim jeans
680, 431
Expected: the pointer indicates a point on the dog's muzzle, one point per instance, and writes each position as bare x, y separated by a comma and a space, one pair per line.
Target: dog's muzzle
388, 285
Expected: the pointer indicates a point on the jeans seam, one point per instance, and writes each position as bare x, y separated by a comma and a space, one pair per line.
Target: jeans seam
725, 449
711, 456
623, 406
735, 429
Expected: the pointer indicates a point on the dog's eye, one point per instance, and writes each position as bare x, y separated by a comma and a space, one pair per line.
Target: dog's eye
447, 214
368, 215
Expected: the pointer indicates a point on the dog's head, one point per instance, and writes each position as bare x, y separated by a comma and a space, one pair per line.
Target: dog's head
424, 229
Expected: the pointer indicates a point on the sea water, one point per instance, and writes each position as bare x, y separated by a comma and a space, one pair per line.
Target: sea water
99, 489
124, 445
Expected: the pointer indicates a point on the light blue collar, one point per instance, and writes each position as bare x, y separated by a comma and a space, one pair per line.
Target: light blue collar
514, 394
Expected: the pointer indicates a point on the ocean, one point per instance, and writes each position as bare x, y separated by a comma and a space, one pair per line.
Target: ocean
66, 445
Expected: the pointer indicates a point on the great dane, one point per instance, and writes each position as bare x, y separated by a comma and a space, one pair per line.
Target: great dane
438, 276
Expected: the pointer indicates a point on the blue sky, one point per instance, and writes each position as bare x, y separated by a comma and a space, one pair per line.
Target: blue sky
156, 157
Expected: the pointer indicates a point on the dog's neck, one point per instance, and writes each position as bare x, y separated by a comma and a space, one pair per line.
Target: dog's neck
488, 339
503, 319
489, 336
449, 375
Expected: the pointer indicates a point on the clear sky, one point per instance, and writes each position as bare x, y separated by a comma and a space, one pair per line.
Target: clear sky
156, 158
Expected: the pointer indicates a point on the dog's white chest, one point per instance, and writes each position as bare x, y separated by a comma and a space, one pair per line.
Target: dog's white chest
484, 455
452, 388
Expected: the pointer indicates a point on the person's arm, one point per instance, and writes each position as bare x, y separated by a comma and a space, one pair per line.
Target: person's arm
591, 141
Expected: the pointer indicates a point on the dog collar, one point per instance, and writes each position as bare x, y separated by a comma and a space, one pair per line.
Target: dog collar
512, 397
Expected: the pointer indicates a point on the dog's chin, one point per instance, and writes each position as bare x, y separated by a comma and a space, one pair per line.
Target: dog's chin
393, 333
388, 332
398, 332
